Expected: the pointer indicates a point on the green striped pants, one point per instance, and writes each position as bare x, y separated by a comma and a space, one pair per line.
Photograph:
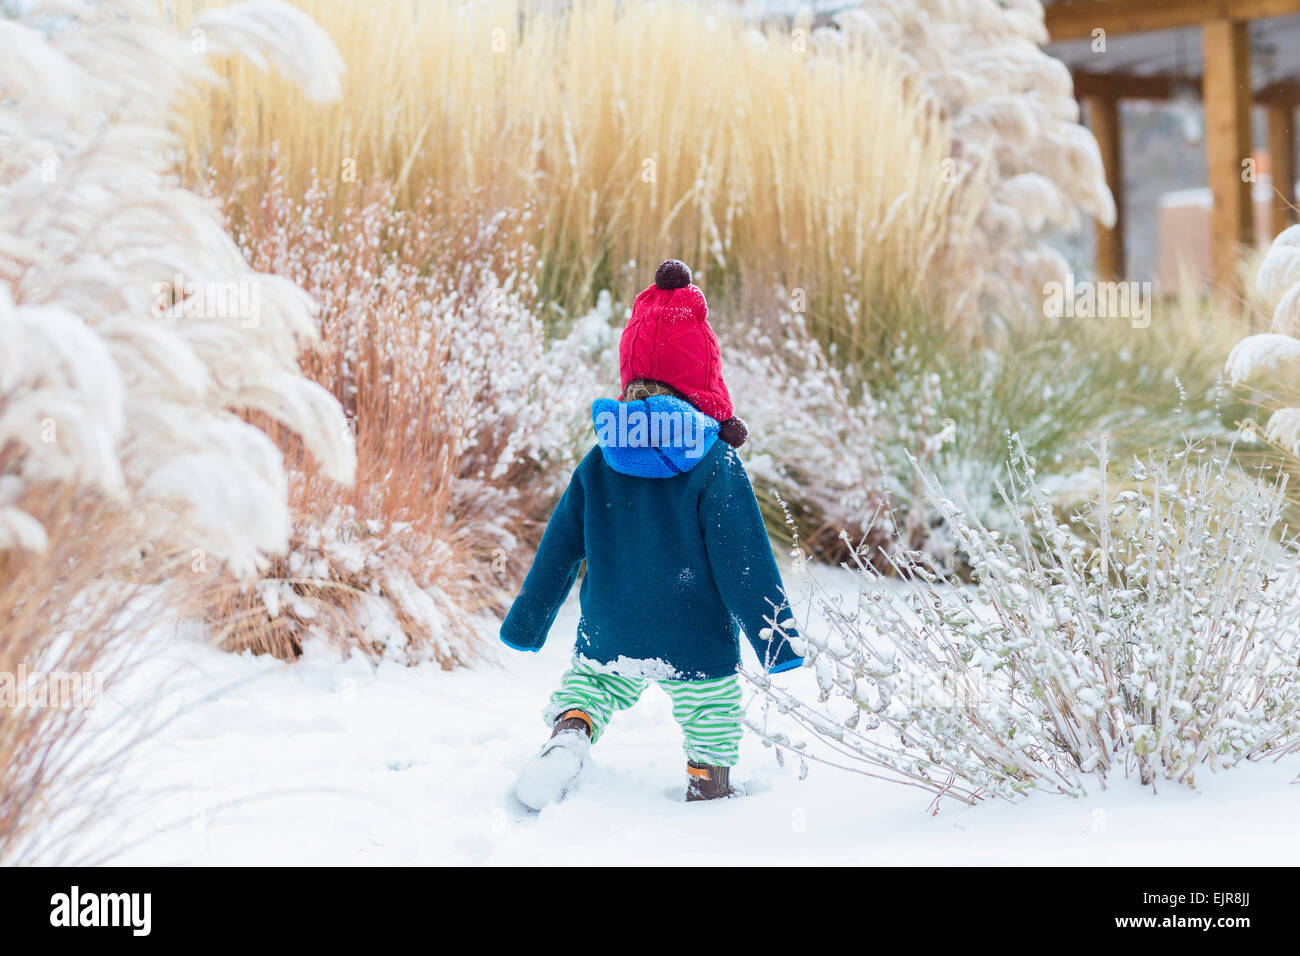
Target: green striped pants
708, 711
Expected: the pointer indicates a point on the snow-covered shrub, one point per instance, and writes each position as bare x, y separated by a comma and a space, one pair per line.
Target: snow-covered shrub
1276, 352
463, 418
134, 331
837, 440
134, 339
815, 434
1057, 387
1164, 639
1014, 124
71, 617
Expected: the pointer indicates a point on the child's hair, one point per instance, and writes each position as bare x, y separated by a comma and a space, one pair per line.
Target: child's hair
733, 431
642, 388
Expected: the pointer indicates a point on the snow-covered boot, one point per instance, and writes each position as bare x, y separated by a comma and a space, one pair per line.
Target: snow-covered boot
704, 782
549, 776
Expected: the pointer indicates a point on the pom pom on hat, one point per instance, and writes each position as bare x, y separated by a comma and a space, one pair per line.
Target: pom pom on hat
733, 431
673, 274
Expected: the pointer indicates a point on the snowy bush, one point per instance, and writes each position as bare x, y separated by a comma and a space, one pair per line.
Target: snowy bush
1278, 350
837, 439
1163, 639
1014, 122
136, 344
134, 331
1056, 387
815, 435
464, 417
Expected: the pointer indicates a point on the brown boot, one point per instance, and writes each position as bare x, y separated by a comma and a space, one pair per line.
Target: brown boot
549, 776
573, 720
705, 782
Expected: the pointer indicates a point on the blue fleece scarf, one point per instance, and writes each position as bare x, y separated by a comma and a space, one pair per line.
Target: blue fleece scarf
657, 437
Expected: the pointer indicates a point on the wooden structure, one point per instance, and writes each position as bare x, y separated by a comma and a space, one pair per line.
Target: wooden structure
1130, 49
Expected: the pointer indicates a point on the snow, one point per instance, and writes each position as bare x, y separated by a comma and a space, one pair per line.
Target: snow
644, 668
330, 761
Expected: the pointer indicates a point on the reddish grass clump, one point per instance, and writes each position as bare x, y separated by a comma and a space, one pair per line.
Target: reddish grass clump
432, 346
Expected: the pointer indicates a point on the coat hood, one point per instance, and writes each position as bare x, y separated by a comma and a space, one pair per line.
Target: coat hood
657, 437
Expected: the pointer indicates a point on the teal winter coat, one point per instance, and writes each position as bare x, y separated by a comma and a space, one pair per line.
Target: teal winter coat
678, 560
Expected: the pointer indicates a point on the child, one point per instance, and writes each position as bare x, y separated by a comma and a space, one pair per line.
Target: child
677, 555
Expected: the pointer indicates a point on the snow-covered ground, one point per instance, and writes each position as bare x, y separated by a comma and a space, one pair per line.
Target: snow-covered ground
333, 762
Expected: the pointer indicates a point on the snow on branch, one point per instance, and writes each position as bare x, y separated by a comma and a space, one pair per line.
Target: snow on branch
135, 337
1268, 350
1156, 634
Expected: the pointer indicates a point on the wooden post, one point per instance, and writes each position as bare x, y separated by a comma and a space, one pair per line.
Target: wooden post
1227, 97
1281, 159
1103, 120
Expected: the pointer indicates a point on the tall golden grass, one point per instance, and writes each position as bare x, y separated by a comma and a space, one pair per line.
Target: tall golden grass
636, 131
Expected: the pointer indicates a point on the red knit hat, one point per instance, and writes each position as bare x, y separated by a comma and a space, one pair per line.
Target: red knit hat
669, 339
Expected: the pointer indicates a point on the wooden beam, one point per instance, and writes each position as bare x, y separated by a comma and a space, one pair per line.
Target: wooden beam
1282, 93
1281, 161
1130, 86
1077, 19
1139, 86
1103, 120
1258, 9
1227, 98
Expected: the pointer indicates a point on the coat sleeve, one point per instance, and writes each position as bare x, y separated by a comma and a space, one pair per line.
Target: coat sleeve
551, 577
740, 555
